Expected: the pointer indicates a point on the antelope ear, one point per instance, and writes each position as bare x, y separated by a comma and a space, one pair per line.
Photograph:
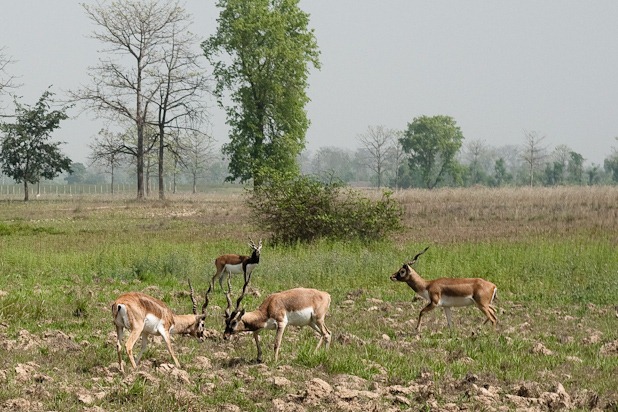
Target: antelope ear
241, 314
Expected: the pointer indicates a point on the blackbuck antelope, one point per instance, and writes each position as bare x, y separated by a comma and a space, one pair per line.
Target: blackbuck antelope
232, 263
449, 292
295, 307
144, 315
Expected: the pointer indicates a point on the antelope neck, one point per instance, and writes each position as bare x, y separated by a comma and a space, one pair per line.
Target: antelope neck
416, 282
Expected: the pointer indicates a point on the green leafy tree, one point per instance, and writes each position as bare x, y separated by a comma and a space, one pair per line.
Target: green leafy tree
78, 174
554, 173
26, 153
501, 175
432, 143
576, 168
593, 174
333, 162
610, 165
261, 54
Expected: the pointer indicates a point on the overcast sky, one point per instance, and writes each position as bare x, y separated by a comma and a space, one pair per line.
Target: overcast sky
499, 68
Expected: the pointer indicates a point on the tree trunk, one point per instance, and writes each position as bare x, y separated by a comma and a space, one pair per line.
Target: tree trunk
161, 150
175, 174
140, 174
26, 197
112, 187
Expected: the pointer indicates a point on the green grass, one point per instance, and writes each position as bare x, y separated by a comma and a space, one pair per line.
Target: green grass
61, 272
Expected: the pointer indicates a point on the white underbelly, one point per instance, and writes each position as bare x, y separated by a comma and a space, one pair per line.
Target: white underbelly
234, 268
295, 318
271, 324
456, 301
450, 300
152, 325
300, 317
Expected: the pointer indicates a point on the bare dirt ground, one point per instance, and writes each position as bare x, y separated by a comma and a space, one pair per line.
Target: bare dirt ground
293, 389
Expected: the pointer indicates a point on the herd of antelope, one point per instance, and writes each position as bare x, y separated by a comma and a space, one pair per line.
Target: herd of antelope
145, 315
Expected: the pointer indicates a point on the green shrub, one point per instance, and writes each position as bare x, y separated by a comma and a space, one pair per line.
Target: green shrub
298, 208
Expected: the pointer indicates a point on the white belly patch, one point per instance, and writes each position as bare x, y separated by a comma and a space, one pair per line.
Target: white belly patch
151, 325
233, 268
300, 317
270, 324
456, 301
450, 300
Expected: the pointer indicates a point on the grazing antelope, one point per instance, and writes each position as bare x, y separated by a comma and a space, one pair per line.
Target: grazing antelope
144, 315
232, 263
449, 292
295, 307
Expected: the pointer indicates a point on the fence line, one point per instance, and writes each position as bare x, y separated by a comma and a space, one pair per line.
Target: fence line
51, 189
122, 189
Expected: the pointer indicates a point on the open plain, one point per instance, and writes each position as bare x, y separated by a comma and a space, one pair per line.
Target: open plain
552, 252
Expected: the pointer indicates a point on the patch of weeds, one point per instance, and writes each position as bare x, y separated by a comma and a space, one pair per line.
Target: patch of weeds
142, 268
175, 263
24, 229
128, 395
308, 357
63, 401
81, 308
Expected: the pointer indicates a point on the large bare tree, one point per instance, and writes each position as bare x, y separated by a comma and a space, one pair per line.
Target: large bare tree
106, 151
182, 84
378, 142
197, 153
7, 81
533, 153
479, 158
126, 79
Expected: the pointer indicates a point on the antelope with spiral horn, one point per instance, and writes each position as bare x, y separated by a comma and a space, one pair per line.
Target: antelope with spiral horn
145, 315
295, 307
449, 292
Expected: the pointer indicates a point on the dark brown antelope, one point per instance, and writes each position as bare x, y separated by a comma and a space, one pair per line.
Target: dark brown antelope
232, 263
144, 315
449, 292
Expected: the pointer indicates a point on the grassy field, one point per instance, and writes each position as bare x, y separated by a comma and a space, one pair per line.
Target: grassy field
552, 252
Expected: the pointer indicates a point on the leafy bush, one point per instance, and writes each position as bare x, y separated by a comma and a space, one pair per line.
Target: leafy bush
301, 209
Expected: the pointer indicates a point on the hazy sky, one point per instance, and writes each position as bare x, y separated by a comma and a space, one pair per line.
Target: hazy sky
499, 68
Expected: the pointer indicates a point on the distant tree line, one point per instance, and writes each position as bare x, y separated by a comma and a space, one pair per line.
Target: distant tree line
382, 160
432, 152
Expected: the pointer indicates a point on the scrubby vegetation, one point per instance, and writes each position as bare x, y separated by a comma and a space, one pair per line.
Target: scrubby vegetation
294, 208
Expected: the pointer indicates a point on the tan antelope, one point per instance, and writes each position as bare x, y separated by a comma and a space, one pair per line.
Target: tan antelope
232, 263
144, 315
295, 307
449, 292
